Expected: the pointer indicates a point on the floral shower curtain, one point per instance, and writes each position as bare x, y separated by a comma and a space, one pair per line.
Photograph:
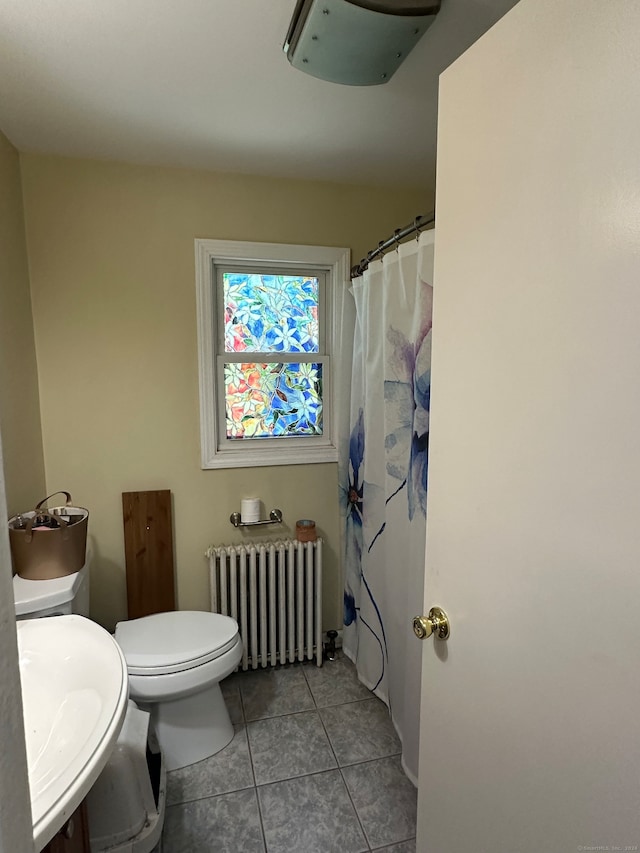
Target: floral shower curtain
383, 478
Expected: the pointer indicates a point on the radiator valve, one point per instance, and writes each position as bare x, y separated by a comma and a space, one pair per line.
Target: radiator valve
330, 645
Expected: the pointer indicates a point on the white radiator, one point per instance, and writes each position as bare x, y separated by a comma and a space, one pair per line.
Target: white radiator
274, 592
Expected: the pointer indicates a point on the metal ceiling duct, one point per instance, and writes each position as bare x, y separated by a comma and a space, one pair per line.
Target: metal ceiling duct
356, 42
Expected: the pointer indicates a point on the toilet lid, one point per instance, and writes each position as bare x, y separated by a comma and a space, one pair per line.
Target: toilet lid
175, 641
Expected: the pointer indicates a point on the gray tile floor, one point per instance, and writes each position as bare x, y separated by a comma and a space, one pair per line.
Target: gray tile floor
314, 767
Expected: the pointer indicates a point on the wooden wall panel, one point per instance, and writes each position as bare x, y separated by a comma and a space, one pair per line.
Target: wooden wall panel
148, 547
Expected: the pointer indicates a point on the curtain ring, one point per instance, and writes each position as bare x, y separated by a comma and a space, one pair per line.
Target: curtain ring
381, 250
359, 269
395, 237
416, 225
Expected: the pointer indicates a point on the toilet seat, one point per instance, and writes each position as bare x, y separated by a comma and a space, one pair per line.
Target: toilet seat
167, 643
165, 687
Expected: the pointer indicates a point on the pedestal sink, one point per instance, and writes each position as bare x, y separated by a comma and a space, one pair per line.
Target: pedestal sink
74, 695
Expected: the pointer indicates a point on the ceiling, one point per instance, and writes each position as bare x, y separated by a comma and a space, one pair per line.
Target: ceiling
205, 84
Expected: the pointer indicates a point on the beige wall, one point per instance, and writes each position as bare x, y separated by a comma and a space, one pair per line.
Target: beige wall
111, 253
22, 482
19, 404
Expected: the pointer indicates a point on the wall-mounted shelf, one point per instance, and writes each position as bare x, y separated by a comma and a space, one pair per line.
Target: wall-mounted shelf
275, 517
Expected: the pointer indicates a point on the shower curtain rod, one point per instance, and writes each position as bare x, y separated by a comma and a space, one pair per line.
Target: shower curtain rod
417, 225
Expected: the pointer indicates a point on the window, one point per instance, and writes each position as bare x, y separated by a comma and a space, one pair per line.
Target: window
267, 345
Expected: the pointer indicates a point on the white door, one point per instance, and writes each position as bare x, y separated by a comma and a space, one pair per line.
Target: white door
530, 716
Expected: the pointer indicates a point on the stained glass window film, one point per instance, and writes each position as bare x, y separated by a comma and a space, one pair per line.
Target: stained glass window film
269, 400
270, 313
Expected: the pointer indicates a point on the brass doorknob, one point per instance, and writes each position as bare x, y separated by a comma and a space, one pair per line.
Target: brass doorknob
436, 623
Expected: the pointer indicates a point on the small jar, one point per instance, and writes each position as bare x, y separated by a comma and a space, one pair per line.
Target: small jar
306, 530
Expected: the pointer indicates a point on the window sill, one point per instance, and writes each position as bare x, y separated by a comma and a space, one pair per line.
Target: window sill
248, 458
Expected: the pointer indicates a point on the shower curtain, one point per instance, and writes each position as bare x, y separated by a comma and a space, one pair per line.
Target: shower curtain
383, 479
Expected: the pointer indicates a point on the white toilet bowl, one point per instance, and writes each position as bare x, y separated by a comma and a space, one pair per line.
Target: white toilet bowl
176, 662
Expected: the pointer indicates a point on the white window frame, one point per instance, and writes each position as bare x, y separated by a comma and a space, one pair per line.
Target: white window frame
216, 451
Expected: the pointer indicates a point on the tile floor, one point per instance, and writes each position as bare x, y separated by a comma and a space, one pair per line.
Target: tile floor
314, 767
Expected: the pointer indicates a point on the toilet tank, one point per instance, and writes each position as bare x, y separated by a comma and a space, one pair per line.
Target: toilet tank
55, 597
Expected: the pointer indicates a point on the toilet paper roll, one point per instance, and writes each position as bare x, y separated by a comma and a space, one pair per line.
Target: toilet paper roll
250, 510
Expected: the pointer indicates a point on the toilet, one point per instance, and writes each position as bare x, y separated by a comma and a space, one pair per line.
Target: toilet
175, 661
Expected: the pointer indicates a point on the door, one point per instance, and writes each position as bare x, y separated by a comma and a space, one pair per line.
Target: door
530, 714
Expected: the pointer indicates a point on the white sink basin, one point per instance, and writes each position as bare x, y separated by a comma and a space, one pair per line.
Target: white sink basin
74, 695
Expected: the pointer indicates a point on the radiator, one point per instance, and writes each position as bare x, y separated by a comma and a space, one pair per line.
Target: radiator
274, 592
